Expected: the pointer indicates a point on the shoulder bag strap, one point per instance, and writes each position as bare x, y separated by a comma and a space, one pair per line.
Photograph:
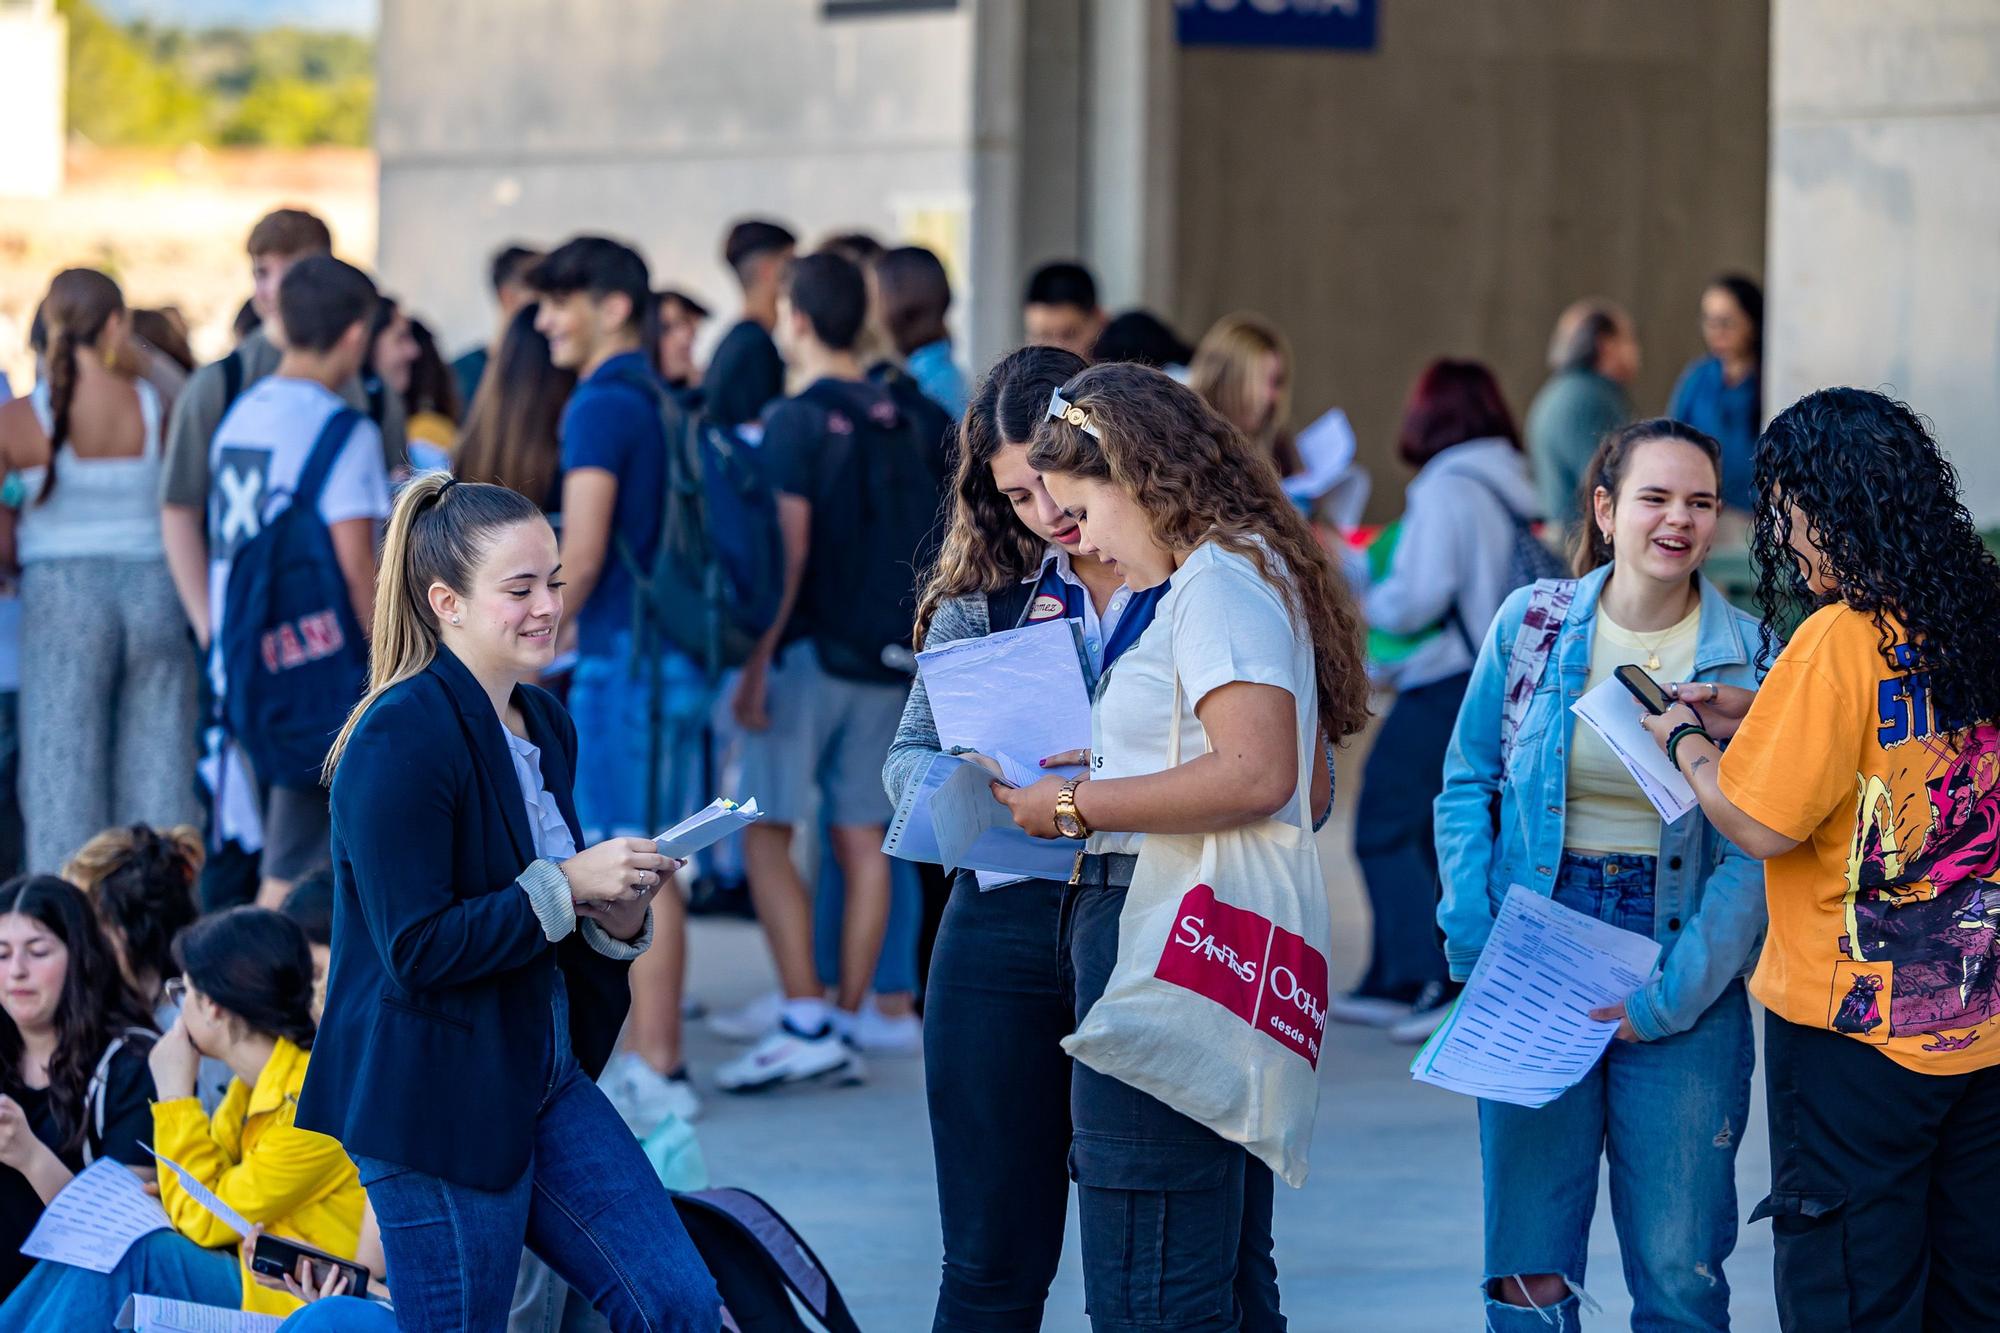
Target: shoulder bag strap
1534, 642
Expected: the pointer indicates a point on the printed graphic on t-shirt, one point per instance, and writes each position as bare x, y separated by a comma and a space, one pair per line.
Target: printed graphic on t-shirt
238, 494
1921, 953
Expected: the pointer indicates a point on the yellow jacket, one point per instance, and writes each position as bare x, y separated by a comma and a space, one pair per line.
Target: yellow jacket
251, 1156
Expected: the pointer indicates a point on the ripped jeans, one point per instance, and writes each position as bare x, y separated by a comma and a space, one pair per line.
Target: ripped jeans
1668, 1115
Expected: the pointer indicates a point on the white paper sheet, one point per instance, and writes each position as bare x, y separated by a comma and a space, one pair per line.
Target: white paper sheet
1000, 855
203, 1195
157, 1314
1017, 696
1615, 715
1521, 1032
707, 826
95, 1219
1332, 485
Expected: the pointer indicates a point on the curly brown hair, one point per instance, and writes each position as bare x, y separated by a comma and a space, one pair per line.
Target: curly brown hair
986, 548
1199, 480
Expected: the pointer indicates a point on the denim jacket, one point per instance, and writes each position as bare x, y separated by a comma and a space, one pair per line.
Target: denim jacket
1709, 895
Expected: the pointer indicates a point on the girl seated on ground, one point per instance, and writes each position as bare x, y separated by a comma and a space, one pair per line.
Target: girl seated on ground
246, 999
73, 1080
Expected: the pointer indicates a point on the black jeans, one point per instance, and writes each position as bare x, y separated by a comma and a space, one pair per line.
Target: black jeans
1882, 1188
1394, 838
1176, 1222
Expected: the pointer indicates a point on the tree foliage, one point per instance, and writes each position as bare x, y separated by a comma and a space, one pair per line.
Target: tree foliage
149, 85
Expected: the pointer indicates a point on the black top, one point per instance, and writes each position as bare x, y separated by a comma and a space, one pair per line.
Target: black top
745, 374
128, 1122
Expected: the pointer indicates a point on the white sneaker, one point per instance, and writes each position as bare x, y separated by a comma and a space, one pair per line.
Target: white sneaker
1367, 1011
644, 1097
880, 1034
788, 1056
752, 1022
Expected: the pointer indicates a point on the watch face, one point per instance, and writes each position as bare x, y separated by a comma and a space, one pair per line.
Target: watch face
1068, 826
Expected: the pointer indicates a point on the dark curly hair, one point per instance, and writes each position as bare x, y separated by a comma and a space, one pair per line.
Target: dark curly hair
96, 1005
986, 548
1881, 503
1199, 480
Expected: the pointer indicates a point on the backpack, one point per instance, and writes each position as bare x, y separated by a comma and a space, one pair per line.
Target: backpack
98, 1088
760, 1265
293, 654
879, 468
1529, 560
718, 573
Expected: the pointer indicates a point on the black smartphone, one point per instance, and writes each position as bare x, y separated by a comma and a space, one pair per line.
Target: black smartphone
276, 1256
1644, 688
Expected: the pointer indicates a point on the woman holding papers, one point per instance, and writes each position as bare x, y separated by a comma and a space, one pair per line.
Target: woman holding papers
1533, 797
1176, 1220
73, 1079
245, 990
466, 1009
1866, 776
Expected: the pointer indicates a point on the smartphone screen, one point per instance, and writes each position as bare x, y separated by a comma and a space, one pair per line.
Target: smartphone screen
1644, 688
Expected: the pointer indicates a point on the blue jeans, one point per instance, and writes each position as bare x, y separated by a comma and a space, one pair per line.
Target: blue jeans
341, 1314
611, 701
589, 1205
1667, 1114
164, 1263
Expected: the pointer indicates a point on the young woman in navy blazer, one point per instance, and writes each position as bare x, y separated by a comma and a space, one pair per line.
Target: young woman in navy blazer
478, 982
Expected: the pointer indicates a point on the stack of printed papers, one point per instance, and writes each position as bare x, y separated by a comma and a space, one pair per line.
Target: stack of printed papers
1521, 1031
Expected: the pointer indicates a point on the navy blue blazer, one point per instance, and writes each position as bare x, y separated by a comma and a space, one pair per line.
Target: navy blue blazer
434, 1046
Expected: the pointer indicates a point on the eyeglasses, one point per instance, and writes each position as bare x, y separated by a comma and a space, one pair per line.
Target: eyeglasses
177, 992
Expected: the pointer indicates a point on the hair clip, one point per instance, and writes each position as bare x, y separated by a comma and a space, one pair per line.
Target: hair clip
1064, 410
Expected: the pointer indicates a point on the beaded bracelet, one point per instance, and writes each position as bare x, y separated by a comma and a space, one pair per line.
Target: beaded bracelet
1681, 733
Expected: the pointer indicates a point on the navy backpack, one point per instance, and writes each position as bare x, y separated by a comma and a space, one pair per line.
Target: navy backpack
294, 658
718, 573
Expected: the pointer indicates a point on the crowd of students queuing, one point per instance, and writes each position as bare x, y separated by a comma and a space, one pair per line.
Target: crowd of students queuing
190, 935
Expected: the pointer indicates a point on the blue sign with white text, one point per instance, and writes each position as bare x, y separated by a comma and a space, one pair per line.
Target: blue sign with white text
1345, 25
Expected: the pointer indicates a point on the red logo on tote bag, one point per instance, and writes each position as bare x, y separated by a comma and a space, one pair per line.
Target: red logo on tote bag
1267, 976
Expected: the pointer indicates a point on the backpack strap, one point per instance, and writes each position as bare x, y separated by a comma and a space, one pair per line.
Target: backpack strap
94, 1094
232, 378
325, 452
1534, 643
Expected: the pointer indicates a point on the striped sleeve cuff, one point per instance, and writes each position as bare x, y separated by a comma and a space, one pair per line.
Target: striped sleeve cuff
600, 939
548, 893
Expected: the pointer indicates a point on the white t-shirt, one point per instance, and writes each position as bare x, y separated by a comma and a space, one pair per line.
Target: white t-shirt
1220, 622
255, 460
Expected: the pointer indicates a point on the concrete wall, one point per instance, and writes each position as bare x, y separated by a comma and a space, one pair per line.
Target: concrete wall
1449, 192
1885, 213
659, 121
33, 51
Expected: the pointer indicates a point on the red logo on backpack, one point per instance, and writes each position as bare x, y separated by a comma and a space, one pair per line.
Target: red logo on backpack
1265, 975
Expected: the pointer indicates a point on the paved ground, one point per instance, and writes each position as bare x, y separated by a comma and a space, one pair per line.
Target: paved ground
1384, 1239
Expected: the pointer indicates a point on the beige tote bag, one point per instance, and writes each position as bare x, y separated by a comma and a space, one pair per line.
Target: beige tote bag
1217, 1002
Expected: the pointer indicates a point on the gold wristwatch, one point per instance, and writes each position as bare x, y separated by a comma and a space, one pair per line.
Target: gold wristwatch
1069, 820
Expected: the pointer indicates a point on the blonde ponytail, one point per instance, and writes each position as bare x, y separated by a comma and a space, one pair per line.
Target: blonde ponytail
404, 637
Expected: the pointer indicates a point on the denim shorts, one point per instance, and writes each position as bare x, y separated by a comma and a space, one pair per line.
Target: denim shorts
827, 734
611, 702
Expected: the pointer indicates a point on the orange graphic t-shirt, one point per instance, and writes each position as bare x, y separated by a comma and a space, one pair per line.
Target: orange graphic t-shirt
1885, 919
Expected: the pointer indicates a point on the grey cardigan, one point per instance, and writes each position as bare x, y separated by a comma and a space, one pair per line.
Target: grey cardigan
916, 735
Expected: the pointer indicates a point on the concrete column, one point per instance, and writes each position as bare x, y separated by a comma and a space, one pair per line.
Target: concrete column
1885, 189
1130, 122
